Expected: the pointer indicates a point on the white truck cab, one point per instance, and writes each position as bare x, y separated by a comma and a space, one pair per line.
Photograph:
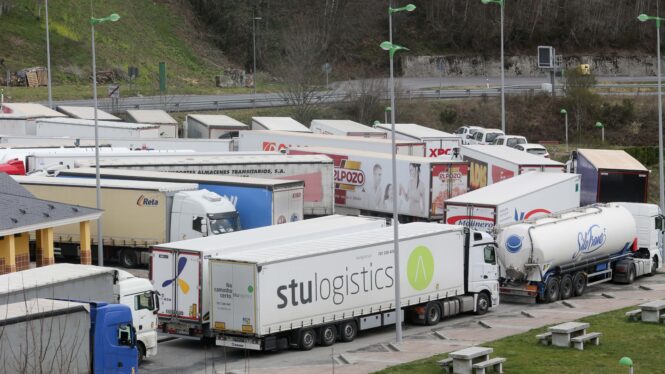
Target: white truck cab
649, 221
140, 296
202, 213
483, 268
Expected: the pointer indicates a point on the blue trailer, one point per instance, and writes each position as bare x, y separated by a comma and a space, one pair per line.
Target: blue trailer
91, 337
259, 202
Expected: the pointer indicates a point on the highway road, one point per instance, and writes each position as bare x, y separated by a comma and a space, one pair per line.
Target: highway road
453, 87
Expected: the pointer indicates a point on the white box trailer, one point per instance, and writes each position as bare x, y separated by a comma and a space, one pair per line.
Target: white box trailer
86, 112
53, 160
212, 126
522, 197
315, 170
347, 283
19, 118
197, 145
438, 143
185, 303
363, 181
168, 126
137, 214
278, 124
86, 128
345, 128
273, 141
490, 164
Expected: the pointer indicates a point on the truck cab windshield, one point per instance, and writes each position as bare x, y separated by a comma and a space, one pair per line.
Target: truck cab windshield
223, 223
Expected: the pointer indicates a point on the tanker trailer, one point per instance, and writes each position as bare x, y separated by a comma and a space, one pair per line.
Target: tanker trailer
557, 256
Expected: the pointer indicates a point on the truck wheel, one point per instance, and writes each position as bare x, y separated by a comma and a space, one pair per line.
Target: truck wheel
654, 267
307, 339
328, 335
482, 303
128, 258
630, 278
432, 314
349, 331
141, 348
579, 284
566, 287
552, 290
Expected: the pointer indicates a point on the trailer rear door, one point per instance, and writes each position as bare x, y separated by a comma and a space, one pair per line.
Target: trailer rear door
162, 276
234, 300
187, 281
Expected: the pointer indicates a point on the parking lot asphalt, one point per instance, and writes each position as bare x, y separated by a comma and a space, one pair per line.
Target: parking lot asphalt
375, 349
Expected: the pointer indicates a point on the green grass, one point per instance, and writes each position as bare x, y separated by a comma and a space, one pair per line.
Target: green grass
642, 342
147, 33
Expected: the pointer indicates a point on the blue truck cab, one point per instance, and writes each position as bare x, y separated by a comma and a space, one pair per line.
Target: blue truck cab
112, 339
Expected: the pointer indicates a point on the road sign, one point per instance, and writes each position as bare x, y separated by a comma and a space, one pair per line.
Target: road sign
114, 91
546, 59
439, 64
327, 68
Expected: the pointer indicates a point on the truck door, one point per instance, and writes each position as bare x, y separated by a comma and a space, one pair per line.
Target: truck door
162, 275
233, 301
187, 281
484, 266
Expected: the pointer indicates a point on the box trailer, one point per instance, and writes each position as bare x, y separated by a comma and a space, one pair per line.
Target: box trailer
86, 112
259, 202
522, 197
86, 128
345, 284
88, 283
137, 214
280, 141
315, 170
44, 335
19, 118
490, 164
345, 128
212, 126
278, 124
438, 143
363, 181
168, 126
610, 175
185, 304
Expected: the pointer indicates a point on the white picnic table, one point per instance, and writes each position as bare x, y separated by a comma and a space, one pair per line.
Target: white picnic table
652, 310
561, 334
464, 359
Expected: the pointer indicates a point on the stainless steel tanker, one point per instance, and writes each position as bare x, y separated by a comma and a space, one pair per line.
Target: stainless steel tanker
557, 256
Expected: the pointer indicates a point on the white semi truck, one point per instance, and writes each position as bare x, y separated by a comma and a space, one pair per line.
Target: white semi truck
559, 256
89, 283
137, 214
179, 270
345, 284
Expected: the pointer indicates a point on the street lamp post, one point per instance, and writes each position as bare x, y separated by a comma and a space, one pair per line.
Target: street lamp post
385, 114
48, 57
602, 131
254, 19
503, 97
565, 113
392, 48
661, 185
96, 21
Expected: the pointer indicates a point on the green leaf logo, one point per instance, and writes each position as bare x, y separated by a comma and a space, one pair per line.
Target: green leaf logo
420, 268
250, 289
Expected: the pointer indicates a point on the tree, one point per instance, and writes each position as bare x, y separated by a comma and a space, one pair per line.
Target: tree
580, 97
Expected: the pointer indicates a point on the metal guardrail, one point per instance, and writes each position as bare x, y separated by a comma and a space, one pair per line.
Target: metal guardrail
200, 103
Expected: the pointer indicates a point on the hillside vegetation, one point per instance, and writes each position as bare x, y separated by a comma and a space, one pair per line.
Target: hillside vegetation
147, 33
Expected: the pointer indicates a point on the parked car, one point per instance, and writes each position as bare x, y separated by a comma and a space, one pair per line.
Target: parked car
509, 140
534, 149
466, 132
485, 136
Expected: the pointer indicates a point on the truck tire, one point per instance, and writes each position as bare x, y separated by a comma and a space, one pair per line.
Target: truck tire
307, 339
141, 348
432, 313
552, 290
482, 303
630, 278
566, 286
579, 284
654, 267
328, 335
128, 258
349, 331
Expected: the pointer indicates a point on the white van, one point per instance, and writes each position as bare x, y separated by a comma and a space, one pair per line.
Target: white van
485, 136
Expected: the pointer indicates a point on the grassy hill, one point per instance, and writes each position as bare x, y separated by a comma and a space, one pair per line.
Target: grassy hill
147, 33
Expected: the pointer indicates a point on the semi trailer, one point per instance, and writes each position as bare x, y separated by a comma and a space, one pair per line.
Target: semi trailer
558, 256
179, 270
88, 283
438, 143
136, 214
346, 284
